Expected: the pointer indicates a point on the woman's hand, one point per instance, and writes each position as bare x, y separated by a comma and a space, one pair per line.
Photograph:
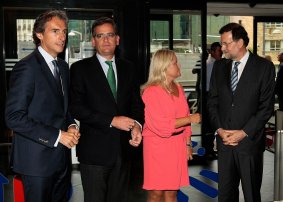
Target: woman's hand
189, 152
195, 118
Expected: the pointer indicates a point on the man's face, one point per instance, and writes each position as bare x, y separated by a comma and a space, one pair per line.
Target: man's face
105, 40
280, 57
53, 39
217, 53
229, 47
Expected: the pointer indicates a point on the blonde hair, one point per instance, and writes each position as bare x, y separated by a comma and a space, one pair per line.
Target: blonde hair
160, 61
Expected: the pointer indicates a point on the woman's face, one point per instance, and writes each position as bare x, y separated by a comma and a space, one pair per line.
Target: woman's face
173, 70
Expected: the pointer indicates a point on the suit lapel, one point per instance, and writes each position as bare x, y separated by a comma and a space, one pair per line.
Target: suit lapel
245, 74
120, 78
47, 74
65, 86
228, 69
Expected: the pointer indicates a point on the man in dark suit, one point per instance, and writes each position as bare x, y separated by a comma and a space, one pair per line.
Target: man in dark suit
37, 112
279, 82
208, 140
240, 102
107, 104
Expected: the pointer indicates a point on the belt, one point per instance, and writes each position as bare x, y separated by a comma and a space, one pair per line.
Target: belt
178, 133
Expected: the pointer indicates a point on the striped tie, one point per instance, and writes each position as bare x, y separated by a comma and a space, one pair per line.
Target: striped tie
57, 76
234, 77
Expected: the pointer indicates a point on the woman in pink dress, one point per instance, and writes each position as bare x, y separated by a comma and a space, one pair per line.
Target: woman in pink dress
167, 131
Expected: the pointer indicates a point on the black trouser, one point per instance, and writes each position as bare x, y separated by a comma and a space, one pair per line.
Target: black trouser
105, 183
234, 167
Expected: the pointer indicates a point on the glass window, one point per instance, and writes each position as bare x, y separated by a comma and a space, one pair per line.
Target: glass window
186, 30
269, 40
275, 45
187, 45
274, 25
79, 40
159, 35
25, 43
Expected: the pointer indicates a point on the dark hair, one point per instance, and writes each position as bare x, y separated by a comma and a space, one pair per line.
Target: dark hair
214, 46
42, 19
238, 32
101, 21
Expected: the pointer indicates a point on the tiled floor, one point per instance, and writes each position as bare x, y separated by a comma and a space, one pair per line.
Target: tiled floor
136, 194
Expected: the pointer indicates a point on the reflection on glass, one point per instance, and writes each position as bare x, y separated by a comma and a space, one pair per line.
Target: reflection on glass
186, 42
159, 35
79, 40
25, 43
270, 40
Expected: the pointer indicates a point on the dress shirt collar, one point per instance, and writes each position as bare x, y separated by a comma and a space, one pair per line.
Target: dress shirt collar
242, 64
47, 57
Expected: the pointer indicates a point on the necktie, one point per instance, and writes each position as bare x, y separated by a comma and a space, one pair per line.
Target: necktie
57, 75
234, 77
111, 78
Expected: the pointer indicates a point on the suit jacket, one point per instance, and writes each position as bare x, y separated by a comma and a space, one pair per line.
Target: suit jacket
93, 104
279, 82
35, 111
251, 105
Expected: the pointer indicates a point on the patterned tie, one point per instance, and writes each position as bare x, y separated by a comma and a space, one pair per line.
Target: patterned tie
234, 77
57, 75
111, 78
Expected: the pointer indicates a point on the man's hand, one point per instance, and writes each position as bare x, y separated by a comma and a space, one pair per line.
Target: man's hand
70, 138
74, 130
123, 123
231, 137
235, 137
136, 136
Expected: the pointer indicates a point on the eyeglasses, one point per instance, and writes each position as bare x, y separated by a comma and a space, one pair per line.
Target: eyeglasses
107, 35
225, 43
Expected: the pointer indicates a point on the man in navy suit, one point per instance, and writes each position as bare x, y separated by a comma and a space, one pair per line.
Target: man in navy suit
37, 112
240, 102
105, 99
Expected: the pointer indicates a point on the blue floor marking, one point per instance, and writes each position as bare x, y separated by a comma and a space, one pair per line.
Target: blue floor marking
210, 175
204, 188
181, 197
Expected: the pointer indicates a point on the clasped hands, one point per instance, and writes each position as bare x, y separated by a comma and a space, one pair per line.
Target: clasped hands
128, 124
71, 137
231, 137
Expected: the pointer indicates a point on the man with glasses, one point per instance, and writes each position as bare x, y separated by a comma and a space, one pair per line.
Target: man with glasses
105, 99
240, 102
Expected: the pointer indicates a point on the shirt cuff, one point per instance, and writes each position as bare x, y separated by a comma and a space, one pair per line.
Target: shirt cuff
216, 132
76, 126
139, 124
245, 133
57, 141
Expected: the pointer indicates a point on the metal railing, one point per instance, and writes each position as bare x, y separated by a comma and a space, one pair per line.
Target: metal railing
278, 158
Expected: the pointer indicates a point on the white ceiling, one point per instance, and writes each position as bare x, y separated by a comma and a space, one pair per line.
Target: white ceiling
241, 9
